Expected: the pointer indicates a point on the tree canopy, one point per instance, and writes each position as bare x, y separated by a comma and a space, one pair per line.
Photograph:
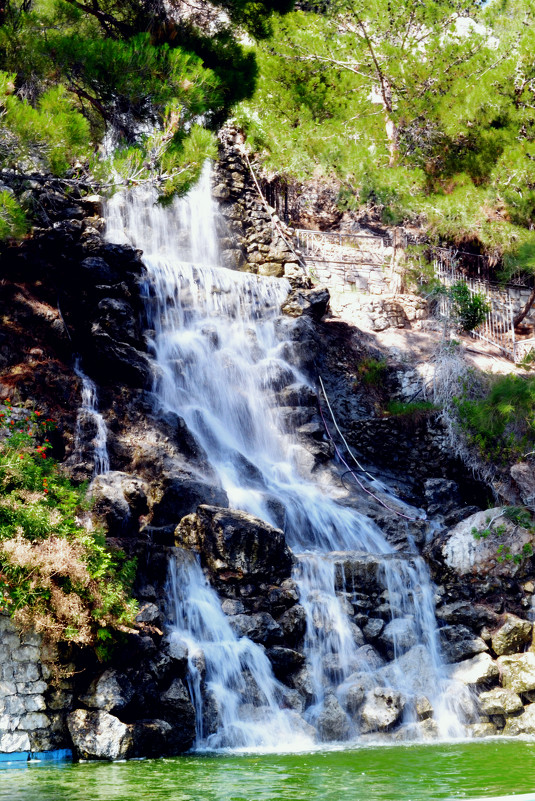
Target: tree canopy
424, 110
145, 83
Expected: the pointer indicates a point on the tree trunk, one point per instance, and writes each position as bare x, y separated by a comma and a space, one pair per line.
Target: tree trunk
525, 311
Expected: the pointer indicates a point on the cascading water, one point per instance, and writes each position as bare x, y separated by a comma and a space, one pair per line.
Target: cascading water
222, 356
89, 417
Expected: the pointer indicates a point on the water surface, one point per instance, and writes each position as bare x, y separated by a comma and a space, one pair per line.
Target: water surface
482, 769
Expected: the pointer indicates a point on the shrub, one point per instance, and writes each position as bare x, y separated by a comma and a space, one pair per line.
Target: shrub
57, 576
468, 309
501, 424
372, 371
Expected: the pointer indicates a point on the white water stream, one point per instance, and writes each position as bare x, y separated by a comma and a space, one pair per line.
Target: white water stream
223, 351
88, 414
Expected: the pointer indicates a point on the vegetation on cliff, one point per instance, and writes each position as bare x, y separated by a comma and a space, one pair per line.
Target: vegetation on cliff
423, 111
145, 82
57, 576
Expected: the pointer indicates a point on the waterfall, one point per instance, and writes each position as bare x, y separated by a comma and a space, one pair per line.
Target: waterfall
89, 417
223, 353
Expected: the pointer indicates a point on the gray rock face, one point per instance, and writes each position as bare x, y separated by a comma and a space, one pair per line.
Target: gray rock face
415, 663
236, 546
259, 627
478, 670
398, 636
459, 643
180, 495
518, 672
333, 725
512, 636
284, 660
521, 724
120, 498
110, 692
99, 735
522, 474
500, 701
382, 709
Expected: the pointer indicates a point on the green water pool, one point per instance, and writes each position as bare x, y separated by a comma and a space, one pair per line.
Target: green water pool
483, 769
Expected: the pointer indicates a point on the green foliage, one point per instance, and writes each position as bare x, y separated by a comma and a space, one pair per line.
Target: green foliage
468, 308
56, 575
519, 515
372, 371
410, 409
501, 424
12, 217
421, 111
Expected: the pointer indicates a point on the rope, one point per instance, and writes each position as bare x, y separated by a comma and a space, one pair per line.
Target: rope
350, 470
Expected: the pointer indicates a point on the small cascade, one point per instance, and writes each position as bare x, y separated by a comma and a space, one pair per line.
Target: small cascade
238, 702
224, 353
90, 420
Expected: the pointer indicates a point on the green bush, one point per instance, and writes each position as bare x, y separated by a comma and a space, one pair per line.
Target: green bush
468, 309
372, 371
412, 409
501, 424
57, 576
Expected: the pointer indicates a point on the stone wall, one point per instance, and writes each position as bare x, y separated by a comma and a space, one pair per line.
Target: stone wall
27, 720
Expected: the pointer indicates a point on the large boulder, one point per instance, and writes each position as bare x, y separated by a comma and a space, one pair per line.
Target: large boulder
417, 665
381, 710
110, 692
235, 546
459, 643
500, 701
398, 636
180, 495
518, 671
473, 546
259, 627
99, 735
523, 475
332, 722
480, 669
120, 499
521, 724
512, 635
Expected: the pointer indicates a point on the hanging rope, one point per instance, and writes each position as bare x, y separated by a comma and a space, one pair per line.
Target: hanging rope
349, 469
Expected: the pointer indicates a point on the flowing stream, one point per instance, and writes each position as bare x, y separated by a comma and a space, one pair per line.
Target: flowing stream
223, 353
89, 417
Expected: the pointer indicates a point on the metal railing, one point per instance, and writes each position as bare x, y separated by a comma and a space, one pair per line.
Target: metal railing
498, 328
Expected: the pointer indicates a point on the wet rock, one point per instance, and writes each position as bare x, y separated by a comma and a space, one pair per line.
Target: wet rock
332, 722
424, 708
236, 546
367, 658
417, 666
500, 701
110, 361
512, 636
398, 636
259, 627
177, 709
119, 499
293, 624
353, 692
94, 270
99, 735
521, 724
373, 628
381, 710
485, 729
472, 615
155, 738
284, 660
413, 732
110, 692
458, 643
478, 670
302, 682
180, 495
177, 650
518, 672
